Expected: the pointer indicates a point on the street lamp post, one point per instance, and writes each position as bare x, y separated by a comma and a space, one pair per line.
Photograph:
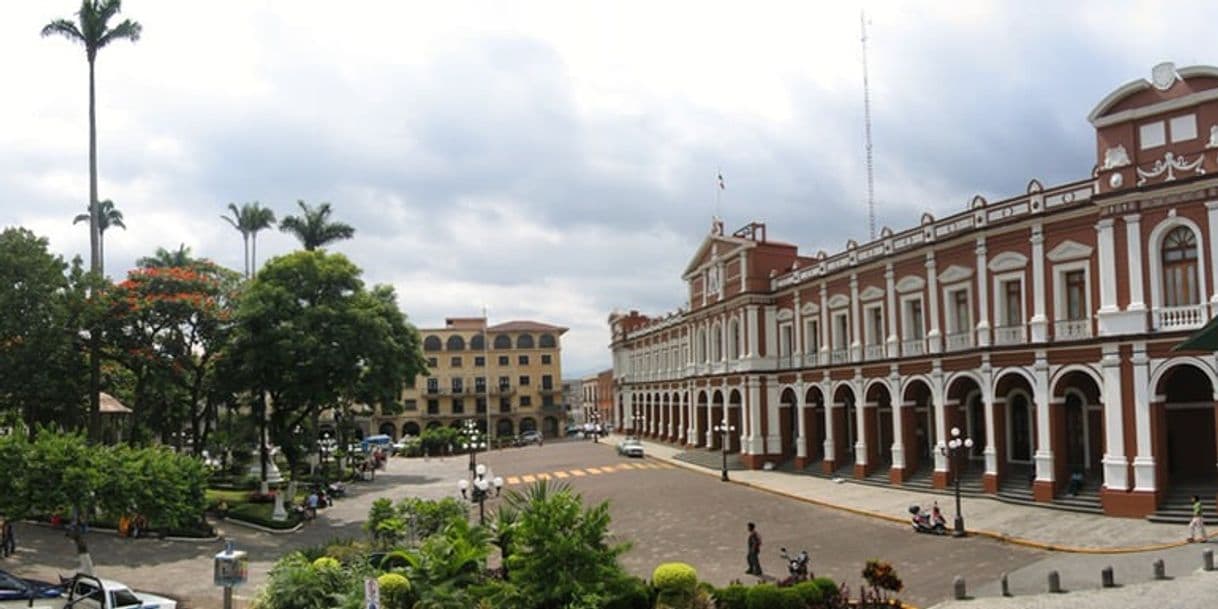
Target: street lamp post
725, 429
478, 488
472, 441
637, 422
323, 449
955, 447
594, 417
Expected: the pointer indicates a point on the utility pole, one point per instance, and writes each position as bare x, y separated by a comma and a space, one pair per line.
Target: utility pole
867, 126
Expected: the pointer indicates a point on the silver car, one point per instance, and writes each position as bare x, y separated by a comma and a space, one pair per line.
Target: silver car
630, 448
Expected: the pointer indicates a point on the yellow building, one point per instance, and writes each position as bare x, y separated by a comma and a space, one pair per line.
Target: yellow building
514, 368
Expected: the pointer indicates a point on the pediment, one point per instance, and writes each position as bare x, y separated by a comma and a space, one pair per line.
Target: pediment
838, 300
911, 283
1069, 250
785, 314
810, 308
955, 273
1008, 261
714, 247
871, 293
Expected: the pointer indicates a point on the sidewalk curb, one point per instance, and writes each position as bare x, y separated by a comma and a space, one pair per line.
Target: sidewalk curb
1002, 537
114, 532
258, 527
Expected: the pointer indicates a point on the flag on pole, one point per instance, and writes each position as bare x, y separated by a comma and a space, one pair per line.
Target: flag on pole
721, 186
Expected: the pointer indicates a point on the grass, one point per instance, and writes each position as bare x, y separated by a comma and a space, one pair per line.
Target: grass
260, 514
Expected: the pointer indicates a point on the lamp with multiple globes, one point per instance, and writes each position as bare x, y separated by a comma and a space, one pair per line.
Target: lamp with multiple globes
957, 447
478, 488
725, 429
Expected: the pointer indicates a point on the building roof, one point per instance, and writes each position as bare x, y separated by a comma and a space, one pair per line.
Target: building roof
111, 405
526, 326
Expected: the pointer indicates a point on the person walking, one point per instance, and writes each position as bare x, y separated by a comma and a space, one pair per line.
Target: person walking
1196, 526
754, 551
8, 542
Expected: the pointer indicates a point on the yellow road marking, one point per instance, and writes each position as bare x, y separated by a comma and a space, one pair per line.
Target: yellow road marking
593, 470
527, 478
543, 476
577, 473
561, 475
513, 480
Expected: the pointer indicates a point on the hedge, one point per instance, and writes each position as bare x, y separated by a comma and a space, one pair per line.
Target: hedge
260, 514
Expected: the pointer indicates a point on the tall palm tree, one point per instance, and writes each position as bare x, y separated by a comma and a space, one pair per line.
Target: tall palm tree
107, 216
248, 220
94, 32
313, 228
163, 258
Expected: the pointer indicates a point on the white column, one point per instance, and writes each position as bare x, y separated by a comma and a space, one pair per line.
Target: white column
1044, 450
1133, 248
983, 295
890, 285
828, 447
825, 331
1144, 463
1116, 466
752, 401
856, 337
938, 393
1108, 278
1039, 322
750, 314
710, 419
934, 338
797, 334
744, 270
987, 403
860, 405
801, 449
771, 332
723, 323
773, 436
1212, 209
898, 440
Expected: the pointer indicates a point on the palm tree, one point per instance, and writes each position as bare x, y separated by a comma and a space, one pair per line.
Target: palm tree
314, 229
164, 259
107, 216
248, 220
94, 32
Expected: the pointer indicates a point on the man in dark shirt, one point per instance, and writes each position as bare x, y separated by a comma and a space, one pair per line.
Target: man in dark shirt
754, 550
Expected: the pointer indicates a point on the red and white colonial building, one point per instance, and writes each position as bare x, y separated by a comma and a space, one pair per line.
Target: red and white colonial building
1041, 325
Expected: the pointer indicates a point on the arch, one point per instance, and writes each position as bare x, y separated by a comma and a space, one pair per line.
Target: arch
788, 420
1184, 418
503, 341
528, 424
547, 341
455, 343
524, 341
845, 424
504, 427
717, 415
1157, 374
814, 422
432, 343
549, 427
1155, 257
477, 342
388, 429
410, 428
955, 383
869, 390
918, 431
735, 418
1061, 373
1005, 375
434, 425
877, 424
911, 383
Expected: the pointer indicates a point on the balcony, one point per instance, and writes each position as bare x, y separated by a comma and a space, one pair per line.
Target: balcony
503, 390
913, 347
873, 352
839, 356
960, 341
812, 359
786, 362
1187, 317
1072, 329
1010, 335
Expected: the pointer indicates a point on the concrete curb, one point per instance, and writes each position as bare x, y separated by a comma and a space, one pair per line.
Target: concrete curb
92, 529
1020, 541
258, 527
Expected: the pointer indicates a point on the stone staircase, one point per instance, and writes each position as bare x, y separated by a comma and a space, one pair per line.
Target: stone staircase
710, 459
1177, 507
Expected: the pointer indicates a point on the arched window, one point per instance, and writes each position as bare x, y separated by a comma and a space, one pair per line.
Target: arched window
701, 346
546, 341
432, 343
477, 342
1179, 251
717, 343
733, 339
524, 341
503, 341
456, 343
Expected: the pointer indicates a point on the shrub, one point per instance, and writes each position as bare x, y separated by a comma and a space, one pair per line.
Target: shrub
734, 596
808, 592
630, 593
325, 562
675, 577
882, 577
764, 596
396, 592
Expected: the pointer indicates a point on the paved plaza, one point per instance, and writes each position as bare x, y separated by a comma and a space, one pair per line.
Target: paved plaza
672, 511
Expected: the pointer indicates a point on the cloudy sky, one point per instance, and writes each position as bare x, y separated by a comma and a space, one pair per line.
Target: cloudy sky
555, 161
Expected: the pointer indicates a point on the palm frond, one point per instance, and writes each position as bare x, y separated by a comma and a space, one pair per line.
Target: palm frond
65, 28
127, 30
80, 218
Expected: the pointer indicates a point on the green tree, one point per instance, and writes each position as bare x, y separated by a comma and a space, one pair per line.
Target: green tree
309, 336
107, 216
43, 370
313, 228
163, 258
93, 31
249, 219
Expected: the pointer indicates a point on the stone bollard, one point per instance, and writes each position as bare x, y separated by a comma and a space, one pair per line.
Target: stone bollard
958, 591
1055, 582
1006, 588
1207, 560
1107, 579
1160, 569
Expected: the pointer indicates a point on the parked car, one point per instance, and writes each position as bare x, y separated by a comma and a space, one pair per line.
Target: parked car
381, 441
18, 592
630, 447
529, 437
88, 592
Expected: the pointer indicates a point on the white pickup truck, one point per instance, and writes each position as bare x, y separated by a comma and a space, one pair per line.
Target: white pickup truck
89, 592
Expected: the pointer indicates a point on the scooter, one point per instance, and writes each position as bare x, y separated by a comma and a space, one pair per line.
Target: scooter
797, 567
923, 523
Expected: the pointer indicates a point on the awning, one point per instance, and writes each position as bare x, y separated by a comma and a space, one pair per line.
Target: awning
1205, 339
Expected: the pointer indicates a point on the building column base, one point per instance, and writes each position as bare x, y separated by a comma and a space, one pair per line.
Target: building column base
755, 461
1128, 504
939, 479
1042, 491
828, 465
990, 483
861, 470
896, 475
802, 462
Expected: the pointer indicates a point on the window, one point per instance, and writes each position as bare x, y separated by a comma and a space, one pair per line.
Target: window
547, 382
875, 325
455, 362
479, 361
433, 406
458, 385
717, 343
524, 341
432, 362
841, 331
733, 339
961, 316
915, 322
503, 341
523, 360
1183, 128
526, 400
410, 404
431, 343
1180, 268
433, 385
547, 359
524, 381
456, 343
477, 342
547, 401
546, 341
811, 336
504, 360
785, 340
1152, 135
458, 406
505, 405
480, 384
504, 383
480, 405
1076, 294
1012, 303
701, 346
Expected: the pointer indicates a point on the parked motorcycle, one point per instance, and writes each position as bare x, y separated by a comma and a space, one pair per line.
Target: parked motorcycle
923, 522
797, 567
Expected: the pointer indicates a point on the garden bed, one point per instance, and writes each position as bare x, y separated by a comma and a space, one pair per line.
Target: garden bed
260, 514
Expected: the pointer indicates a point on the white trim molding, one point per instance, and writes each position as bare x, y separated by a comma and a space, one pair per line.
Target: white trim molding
1069, 250
1008, 261
910, 283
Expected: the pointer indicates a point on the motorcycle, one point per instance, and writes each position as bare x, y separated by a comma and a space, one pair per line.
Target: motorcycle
923, 523
797, 567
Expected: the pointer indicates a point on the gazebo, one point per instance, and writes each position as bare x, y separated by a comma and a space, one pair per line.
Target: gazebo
116, 419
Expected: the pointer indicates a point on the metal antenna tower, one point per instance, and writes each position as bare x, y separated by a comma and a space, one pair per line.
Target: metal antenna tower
867, 126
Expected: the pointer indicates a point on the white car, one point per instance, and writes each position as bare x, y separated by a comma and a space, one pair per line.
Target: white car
630, 447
